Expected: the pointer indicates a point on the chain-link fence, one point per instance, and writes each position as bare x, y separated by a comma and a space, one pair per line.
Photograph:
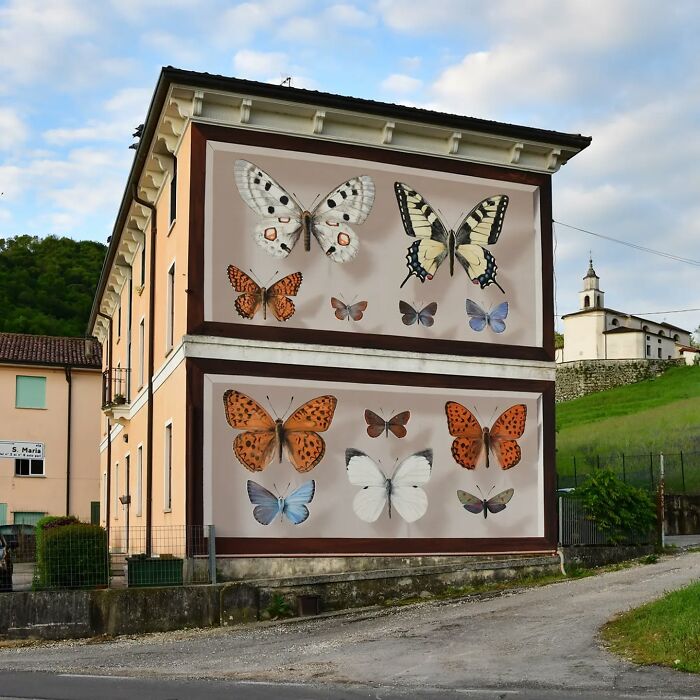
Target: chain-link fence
681, 469
92, 557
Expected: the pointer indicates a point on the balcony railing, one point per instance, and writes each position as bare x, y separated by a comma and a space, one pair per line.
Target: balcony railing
115, 387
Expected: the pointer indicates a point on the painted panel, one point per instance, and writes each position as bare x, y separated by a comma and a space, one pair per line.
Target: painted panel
31, 392
344, 450
369, 225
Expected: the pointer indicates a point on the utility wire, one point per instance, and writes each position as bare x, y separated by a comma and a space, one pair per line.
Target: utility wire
652, 313
660, 253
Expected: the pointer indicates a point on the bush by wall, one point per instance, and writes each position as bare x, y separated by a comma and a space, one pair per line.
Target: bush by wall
70, 554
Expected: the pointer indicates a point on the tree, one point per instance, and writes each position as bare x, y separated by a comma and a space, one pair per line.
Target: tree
47, 284
558, 340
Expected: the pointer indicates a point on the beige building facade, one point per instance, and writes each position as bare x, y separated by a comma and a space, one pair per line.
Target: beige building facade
204, 310
49, 422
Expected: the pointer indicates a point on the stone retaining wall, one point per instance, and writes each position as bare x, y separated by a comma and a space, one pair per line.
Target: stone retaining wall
574, 379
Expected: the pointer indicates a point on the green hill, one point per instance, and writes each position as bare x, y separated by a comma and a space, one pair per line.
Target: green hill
626, 428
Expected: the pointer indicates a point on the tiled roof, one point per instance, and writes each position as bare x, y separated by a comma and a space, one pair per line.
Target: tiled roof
20, 348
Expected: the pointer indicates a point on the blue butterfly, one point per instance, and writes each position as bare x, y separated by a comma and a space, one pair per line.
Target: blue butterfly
268, 506
495, 318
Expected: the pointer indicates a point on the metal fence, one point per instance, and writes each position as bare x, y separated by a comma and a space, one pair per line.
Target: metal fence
575, 527
682, 469
120, 557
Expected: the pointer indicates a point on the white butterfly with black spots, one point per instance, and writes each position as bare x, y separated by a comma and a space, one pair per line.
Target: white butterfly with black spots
283, 219
480, 227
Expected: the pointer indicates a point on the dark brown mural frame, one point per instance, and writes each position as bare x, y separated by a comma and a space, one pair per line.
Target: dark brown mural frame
196, 324
252, 546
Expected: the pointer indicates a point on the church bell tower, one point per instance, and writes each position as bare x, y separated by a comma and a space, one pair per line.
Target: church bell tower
591, 296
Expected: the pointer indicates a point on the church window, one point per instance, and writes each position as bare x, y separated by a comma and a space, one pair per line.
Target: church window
586, 302
615, 322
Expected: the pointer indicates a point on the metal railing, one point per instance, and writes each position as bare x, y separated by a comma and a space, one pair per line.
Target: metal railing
116, 387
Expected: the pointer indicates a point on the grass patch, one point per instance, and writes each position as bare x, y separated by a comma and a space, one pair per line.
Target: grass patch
665, 632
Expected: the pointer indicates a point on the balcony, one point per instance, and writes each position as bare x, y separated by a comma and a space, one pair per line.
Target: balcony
116, 388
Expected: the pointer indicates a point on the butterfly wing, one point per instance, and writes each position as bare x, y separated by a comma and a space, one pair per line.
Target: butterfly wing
341, 309
409, 314
409, 500
349, 203
277, 295
426, 314
469, 437
498, 502
397, 424
248, 303
376, 425
471, 502
480, 227
280, 224
304, 446
425, 255
509, 426
369, 502
356, 311
497, 316
256, 447
267, 505
295, 504
477, 316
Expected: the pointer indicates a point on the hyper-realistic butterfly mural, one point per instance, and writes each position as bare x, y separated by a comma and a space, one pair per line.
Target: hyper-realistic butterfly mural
424, 317
348, 312
292, 507
253, 297
396, 425
283, 220
494, 318
471, 440
401, 491
435, 242
487, 505
265, 438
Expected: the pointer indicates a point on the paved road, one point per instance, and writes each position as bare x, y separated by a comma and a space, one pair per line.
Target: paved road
539, 643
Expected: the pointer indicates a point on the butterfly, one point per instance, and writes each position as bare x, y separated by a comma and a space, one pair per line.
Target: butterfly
283, 220
494, 318
345, 312
265, 438
376, 425
411, 316
471, 439
268, 506
401, 490
495, 504
253, 296
480, 227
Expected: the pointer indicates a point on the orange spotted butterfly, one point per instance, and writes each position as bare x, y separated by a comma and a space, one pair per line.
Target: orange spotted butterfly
275, 297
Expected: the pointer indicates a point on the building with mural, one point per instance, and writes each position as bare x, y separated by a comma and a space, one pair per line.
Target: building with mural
328, 325
49, 423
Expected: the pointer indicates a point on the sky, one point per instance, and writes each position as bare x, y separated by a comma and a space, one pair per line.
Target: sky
78, 75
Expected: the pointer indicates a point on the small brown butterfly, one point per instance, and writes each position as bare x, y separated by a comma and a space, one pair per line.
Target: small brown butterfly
376, 425
275, 297
345, 312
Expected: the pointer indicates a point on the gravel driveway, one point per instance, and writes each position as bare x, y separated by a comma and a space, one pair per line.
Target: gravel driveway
537, 638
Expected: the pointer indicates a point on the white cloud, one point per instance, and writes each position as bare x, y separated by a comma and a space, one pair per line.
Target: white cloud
349, 16
11, 184
260, 65
173, 49
239, 25
12, 129
401, 84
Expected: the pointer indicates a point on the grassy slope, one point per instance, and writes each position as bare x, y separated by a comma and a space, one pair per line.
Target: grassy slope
658, 415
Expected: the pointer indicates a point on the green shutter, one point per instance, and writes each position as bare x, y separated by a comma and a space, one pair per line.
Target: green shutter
31, 392
27, 517
3, 513
95, 512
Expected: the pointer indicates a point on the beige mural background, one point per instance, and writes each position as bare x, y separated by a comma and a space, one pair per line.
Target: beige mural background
226, 502
380, 266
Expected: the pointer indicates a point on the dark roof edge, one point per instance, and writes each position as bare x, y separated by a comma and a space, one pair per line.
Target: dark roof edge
54, 365
622, 313
170, 75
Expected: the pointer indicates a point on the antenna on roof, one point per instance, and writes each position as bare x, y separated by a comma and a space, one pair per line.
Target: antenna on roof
287, 81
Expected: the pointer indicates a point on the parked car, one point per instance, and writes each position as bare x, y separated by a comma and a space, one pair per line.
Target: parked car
5, 565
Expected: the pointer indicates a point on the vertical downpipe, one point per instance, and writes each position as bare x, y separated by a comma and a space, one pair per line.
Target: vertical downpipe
108, 493
69, 379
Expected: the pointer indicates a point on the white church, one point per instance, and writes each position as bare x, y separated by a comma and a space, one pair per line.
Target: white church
595, 332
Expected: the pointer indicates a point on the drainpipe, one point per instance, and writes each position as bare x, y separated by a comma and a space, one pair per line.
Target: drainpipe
69, 379
151, 342
108, 494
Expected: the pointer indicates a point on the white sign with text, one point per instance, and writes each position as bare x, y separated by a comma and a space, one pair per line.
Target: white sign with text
9, 449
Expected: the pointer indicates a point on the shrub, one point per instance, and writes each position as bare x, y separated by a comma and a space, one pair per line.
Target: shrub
616, 507
70, 554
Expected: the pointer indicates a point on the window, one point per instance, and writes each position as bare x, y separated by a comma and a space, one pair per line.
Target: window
119, 320
648, 349
27, 517
662, 334
139, 479
676, 337
586, 302
142, 349
94, 512
168, 469
615, 322
597, 302
143, 263
645, 328
115, 491
659, 353
29, 467
173, 192
3, 513
169, 337
30, 392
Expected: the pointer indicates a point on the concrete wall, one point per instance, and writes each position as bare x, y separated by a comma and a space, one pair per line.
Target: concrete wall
682, 514
576, 379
